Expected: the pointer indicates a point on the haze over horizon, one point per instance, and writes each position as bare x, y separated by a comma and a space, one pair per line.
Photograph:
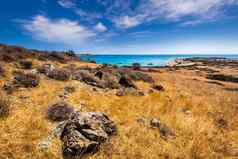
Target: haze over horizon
122, 27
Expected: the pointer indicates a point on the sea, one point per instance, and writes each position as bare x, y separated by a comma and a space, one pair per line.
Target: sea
144, 60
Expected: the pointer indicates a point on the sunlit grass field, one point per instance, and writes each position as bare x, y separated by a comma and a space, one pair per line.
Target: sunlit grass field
189, 105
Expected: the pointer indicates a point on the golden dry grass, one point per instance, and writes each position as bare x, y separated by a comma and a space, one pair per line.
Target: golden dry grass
190, 107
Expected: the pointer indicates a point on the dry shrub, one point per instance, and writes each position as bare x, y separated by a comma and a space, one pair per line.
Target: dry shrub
58, 74
59, 111
4, 107
26, 64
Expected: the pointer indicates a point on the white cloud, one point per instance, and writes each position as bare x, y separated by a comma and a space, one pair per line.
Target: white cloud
127, 22
58, 31
66, 3
100, 27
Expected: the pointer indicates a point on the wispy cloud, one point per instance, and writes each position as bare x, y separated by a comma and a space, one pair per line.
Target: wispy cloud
66, 3
58, 31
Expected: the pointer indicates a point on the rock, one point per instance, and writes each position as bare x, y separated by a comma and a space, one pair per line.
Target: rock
99, 74
46, 68
221, 77
26, 64
59, 74
120, 92
84, 132
88, 78
126, 82
158, 87
59, 111
165, 131
26, 80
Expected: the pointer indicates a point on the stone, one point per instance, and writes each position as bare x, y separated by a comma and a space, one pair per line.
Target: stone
83, 133
59, 74
26, 80
126, 82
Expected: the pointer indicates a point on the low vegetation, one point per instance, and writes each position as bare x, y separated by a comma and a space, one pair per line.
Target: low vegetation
183, 114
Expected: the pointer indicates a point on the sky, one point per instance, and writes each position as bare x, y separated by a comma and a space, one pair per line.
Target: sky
122, 26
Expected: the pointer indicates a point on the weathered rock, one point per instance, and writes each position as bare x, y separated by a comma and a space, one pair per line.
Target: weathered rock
136, 66
59, 111
46, 68
26, 80
165, 131
59, 74
221, 77
99, 74
126, 82
84, 132
88, 78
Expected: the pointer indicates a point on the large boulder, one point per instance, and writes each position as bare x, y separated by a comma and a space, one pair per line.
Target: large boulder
25, 64
84, 132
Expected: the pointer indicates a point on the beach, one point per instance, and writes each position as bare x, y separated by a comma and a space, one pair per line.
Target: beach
187, 109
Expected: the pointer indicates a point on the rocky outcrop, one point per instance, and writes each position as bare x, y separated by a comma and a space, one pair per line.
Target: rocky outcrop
59, 74
126, 82
83, 133
225, 78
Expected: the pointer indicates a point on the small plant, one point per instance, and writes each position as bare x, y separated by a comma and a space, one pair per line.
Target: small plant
4, 108
70, 53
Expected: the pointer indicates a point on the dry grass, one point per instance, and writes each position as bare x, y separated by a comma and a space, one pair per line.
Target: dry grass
190, 107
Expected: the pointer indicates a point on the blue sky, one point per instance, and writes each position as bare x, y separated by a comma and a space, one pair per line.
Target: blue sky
122, 26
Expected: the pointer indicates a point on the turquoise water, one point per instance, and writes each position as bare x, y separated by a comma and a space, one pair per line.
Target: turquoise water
144, 60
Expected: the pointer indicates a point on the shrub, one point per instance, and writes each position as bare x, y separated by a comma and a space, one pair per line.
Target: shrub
2, 71
59, 111
26, 64
70, 53
140, 76
4, 108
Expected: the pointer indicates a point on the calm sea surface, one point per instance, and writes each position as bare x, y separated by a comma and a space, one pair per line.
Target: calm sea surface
144, 60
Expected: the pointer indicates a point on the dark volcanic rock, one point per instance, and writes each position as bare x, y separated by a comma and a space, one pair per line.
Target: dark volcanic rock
2, 71
59, 111
84, 132
221, 77
126, 82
